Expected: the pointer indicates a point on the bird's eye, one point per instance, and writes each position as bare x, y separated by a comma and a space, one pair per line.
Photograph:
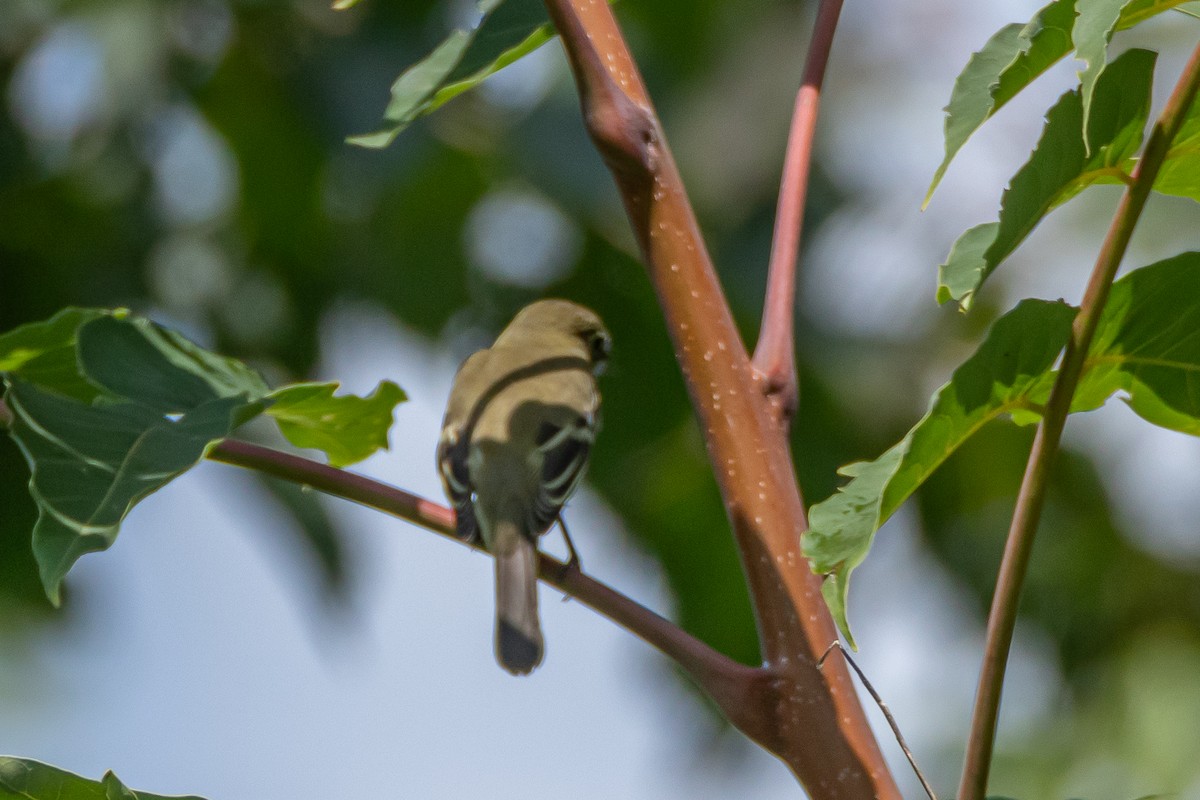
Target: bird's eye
600, 345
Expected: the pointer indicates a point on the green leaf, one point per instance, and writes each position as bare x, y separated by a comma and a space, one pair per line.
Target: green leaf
1138, 11
1067, 159
1147, 345
155, 403
347, 428
507, 32
967, 265
138, 360
44, 352
412, 93
1180, 172
107, 409
25, 779
91, 464
1009, 62
1092, 32
1016, 55
1010, 372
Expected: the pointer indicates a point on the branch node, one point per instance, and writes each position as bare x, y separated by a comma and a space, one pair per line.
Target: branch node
624, 133
781, 388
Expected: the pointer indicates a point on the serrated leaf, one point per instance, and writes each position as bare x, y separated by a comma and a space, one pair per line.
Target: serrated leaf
1010, 371
1067, 159
1093, 31
26, 779
1011, 59
1016, 55
44, 352
506, 32
1180, 171
1147, 345
347, 428
91, 464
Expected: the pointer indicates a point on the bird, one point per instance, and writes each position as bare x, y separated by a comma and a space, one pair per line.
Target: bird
520, 423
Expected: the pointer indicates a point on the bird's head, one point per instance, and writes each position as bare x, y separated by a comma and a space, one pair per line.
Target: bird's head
567, 319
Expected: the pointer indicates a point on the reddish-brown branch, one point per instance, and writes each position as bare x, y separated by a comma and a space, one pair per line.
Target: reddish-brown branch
775, 353
815, 722
740, 691
1026, 515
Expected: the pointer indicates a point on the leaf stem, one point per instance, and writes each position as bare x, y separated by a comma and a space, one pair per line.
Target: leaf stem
775, 353
738, 689
1030, 499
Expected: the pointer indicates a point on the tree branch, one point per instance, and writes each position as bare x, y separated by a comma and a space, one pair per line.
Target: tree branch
1031, 497
815, 722
775, 353
740, 691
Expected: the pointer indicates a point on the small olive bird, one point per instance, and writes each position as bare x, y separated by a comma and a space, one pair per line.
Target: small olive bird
519, 425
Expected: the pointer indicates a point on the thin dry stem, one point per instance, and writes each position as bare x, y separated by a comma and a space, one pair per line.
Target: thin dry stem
883, 707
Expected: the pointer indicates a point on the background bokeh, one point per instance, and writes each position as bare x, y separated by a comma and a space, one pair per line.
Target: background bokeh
243, 639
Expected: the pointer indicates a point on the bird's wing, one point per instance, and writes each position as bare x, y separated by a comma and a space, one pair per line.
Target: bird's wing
564, 449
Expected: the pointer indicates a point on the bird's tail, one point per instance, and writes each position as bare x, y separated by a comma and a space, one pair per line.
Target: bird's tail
518, 634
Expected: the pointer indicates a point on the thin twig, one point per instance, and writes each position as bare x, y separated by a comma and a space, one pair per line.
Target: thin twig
775, 353
887, 713
733, 686
1031, 497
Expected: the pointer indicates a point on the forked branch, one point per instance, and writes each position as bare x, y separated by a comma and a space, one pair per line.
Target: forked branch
814, 721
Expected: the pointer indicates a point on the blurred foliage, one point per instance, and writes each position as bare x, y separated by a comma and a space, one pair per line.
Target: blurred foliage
205, 181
